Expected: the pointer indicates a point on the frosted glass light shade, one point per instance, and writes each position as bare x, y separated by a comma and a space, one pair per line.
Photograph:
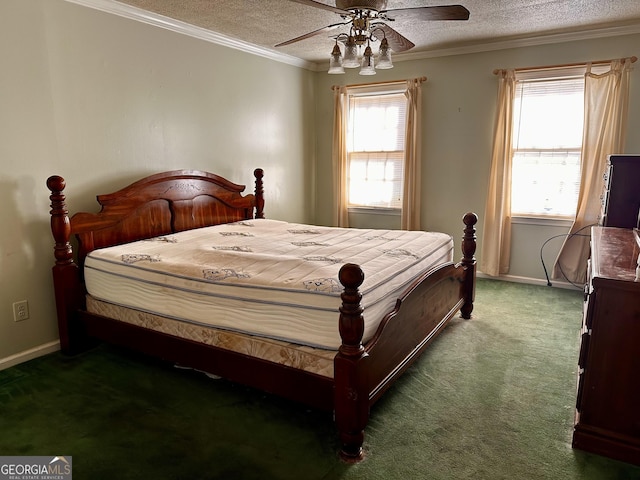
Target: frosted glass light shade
350, 59
384, 56
335, 63
335, 66
367, 67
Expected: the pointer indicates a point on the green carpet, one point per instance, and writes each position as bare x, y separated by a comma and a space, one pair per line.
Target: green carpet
491, 398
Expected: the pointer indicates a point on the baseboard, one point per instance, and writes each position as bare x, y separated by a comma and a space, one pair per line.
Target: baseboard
30, 354
531, 281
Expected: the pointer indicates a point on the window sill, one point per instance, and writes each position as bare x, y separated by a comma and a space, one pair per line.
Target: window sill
374, 211
542, 221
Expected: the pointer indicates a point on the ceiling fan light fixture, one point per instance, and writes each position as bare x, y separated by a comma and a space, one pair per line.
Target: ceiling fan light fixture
367, 66
364, 18
335, 64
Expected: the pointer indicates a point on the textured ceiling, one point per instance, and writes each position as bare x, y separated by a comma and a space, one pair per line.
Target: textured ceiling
266, 23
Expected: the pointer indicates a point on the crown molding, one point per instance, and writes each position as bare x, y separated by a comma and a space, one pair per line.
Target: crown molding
134, 13
518, 42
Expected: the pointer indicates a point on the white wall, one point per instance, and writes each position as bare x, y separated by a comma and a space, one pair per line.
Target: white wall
102, 101
459, 108
28, 149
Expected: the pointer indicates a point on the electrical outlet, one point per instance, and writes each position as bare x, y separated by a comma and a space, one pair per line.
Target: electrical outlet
20, 311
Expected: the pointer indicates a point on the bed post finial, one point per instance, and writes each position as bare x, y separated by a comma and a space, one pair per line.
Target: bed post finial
351, 401
259, 193
60, 225
351, 320
469, 263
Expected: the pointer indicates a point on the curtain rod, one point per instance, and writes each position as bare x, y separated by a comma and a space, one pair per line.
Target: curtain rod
564, 65
378, 84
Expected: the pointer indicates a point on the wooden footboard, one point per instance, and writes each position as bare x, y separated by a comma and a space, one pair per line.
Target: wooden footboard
364, 373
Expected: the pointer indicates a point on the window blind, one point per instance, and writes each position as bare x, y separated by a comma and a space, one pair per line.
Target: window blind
547, 141
375, 149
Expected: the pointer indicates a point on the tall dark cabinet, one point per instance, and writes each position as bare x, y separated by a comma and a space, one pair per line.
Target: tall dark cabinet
621, 196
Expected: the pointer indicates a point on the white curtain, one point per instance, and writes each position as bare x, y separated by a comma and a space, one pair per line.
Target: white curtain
411, 200
496, 238
339, 157
605, 125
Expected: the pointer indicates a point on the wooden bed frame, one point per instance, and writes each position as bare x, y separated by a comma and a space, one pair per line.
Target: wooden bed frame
184, 199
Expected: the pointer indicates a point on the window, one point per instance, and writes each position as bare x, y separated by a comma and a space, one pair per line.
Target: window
547, 142
375, 149
543, 131
548, 117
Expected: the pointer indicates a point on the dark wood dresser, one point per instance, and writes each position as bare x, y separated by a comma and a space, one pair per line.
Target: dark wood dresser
608, 403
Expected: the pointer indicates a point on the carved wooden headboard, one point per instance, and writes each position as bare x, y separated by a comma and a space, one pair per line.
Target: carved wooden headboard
160, 204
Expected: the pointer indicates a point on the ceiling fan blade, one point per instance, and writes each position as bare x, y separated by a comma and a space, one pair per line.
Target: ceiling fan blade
397, 42
312, 3
445, 12
328, 28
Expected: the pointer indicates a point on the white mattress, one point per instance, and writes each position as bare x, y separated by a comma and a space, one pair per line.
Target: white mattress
282, 277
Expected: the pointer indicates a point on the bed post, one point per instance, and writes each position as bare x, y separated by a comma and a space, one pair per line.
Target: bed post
259, 193
66, 282
469, 263
351, 395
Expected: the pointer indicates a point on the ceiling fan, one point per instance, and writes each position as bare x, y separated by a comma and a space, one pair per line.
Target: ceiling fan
367, 22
